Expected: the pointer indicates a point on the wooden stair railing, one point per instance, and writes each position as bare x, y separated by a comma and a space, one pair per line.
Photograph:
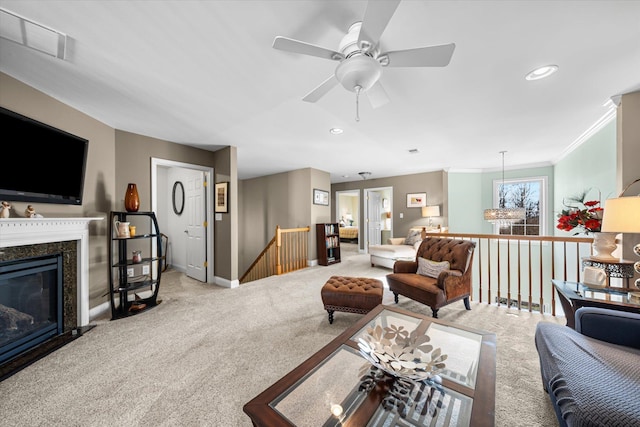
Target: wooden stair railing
286, 252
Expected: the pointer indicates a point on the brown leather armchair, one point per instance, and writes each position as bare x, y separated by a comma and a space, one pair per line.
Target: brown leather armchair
450, 285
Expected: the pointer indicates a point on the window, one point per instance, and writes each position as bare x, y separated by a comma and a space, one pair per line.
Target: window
527, 193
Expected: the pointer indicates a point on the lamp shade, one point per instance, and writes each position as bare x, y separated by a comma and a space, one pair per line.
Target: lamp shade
621, 215
429, 211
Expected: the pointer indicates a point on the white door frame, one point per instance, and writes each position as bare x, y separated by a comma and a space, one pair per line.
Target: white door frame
157, 163
366, 212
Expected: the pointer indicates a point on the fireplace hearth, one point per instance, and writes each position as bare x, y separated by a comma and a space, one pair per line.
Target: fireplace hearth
30, 303
44, 300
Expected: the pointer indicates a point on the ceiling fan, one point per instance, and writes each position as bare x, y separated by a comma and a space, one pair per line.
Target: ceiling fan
360, 60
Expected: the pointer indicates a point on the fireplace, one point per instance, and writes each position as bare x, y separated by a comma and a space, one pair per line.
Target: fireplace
31, 303
61, 245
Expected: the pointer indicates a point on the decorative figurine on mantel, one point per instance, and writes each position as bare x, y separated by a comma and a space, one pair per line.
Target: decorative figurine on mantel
4, 210
29, 212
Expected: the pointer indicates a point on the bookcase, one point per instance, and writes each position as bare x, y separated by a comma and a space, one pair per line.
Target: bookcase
328, 243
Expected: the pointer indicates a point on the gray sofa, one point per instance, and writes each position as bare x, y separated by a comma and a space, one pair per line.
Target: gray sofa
592, 373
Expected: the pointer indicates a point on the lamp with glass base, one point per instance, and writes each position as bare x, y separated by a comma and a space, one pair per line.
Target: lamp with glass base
430, 212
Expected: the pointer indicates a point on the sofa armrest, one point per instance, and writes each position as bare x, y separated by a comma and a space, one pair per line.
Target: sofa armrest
612, 326
395, 241
405, 267
447, 274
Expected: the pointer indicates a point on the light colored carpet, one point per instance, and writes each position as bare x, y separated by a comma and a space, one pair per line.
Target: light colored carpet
198, 357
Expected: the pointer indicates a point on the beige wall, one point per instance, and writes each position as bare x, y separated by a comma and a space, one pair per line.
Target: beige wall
432, 183
628, 159
115, 158
285, 200
99, 184
226, 229
628, 141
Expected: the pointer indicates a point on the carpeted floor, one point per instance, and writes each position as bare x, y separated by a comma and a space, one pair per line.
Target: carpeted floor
198, 357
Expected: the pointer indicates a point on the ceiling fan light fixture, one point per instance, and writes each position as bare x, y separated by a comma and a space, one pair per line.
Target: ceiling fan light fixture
541, 72
359, 70
349, 43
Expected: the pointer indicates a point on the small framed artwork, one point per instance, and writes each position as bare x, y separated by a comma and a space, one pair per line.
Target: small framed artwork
320, 197
416, 200
222, 197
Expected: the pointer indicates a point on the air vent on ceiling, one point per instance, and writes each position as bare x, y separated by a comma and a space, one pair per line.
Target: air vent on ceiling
28, 33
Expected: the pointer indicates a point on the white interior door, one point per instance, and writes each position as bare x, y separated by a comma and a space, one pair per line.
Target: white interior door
196, 231
374, 218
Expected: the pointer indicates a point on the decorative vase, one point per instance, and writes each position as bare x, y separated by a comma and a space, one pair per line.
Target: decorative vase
603, 245
131, 199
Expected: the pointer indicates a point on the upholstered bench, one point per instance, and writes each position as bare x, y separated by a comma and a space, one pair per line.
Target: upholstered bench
351, 294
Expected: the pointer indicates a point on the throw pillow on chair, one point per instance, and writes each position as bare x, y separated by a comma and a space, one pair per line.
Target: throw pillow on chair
429, 268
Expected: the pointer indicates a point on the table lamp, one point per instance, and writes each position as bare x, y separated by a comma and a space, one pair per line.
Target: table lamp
349, 218
430, 212
622, 215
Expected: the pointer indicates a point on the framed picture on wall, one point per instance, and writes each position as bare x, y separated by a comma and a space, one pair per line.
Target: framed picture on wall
416, 200
222, 197
320, 197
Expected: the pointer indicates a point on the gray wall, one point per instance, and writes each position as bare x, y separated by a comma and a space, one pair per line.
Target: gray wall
432, 183
115, 158
283, 199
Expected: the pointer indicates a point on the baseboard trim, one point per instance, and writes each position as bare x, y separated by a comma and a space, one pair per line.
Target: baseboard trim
99, 310
221, 281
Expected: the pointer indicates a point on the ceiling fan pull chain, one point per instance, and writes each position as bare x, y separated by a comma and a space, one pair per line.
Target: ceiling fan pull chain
358, 88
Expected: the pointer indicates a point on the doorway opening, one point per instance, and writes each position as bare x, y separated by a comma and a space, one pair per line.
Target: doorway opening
378, 216
348, 219
190, 233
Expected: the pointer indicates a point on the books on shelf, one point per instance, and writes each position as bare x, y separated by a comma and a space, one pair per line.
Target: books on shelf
330, 229
332, 241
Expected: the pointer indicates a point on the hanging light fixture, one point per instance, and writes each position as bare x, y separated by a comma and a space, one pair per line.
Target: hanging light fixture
501, 215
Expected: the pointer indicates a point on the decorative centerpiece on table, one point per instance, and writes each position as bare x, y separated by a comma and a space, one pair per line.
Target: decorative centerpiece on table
585, 216
409, 359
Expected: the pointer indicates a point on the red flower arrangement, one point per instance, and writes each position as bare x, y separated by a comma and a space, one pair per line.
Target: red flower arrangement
588, 218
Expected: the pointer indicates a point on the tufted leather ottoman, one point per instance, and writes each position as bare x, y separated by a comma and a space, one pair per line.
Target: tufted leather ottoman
351, 294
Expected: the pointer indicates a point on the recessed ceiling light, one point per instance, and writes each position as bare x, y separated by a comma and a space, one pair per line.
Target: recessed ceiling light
335, 131
541, 72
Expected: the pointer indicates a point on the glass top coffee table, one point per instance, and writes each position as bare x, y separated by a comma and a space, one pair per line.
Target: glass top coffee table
337, 386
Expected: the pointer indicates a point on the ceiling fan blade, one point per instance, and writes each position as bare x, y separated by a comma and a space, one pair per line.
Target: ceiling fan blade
377, 95
321, 90
291, 45
376, 17
429, 56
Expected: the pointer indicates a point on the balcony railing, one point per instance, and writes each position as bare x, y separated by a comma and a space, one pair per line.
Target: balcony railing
516, 271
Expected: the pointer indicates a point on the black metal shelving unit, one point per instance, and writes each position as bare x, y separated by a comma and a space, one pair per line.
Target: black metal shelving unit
135, 293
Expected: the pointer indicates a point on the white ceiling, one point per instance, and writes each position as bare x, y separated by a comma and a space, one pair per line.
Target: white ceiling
204, 73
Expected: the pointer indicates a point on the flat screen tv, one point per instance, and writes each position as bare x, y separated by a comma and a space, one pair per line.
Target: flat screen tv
41, 163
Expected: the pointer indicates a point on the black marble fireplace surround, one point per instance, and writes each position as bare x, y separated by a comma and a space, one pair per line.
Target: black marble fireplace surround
68, 252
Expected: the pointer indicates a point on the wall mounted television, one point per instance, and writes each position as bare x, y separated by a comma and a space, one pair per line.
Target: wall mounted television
47, 164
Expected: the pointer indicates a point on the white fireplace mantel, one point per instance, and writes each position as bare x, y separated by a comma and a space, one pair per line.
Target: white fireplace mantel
33, 231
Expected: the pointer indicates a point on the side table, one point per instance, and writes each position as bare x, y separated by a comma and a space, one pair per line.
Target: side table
573, 295
622, 268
